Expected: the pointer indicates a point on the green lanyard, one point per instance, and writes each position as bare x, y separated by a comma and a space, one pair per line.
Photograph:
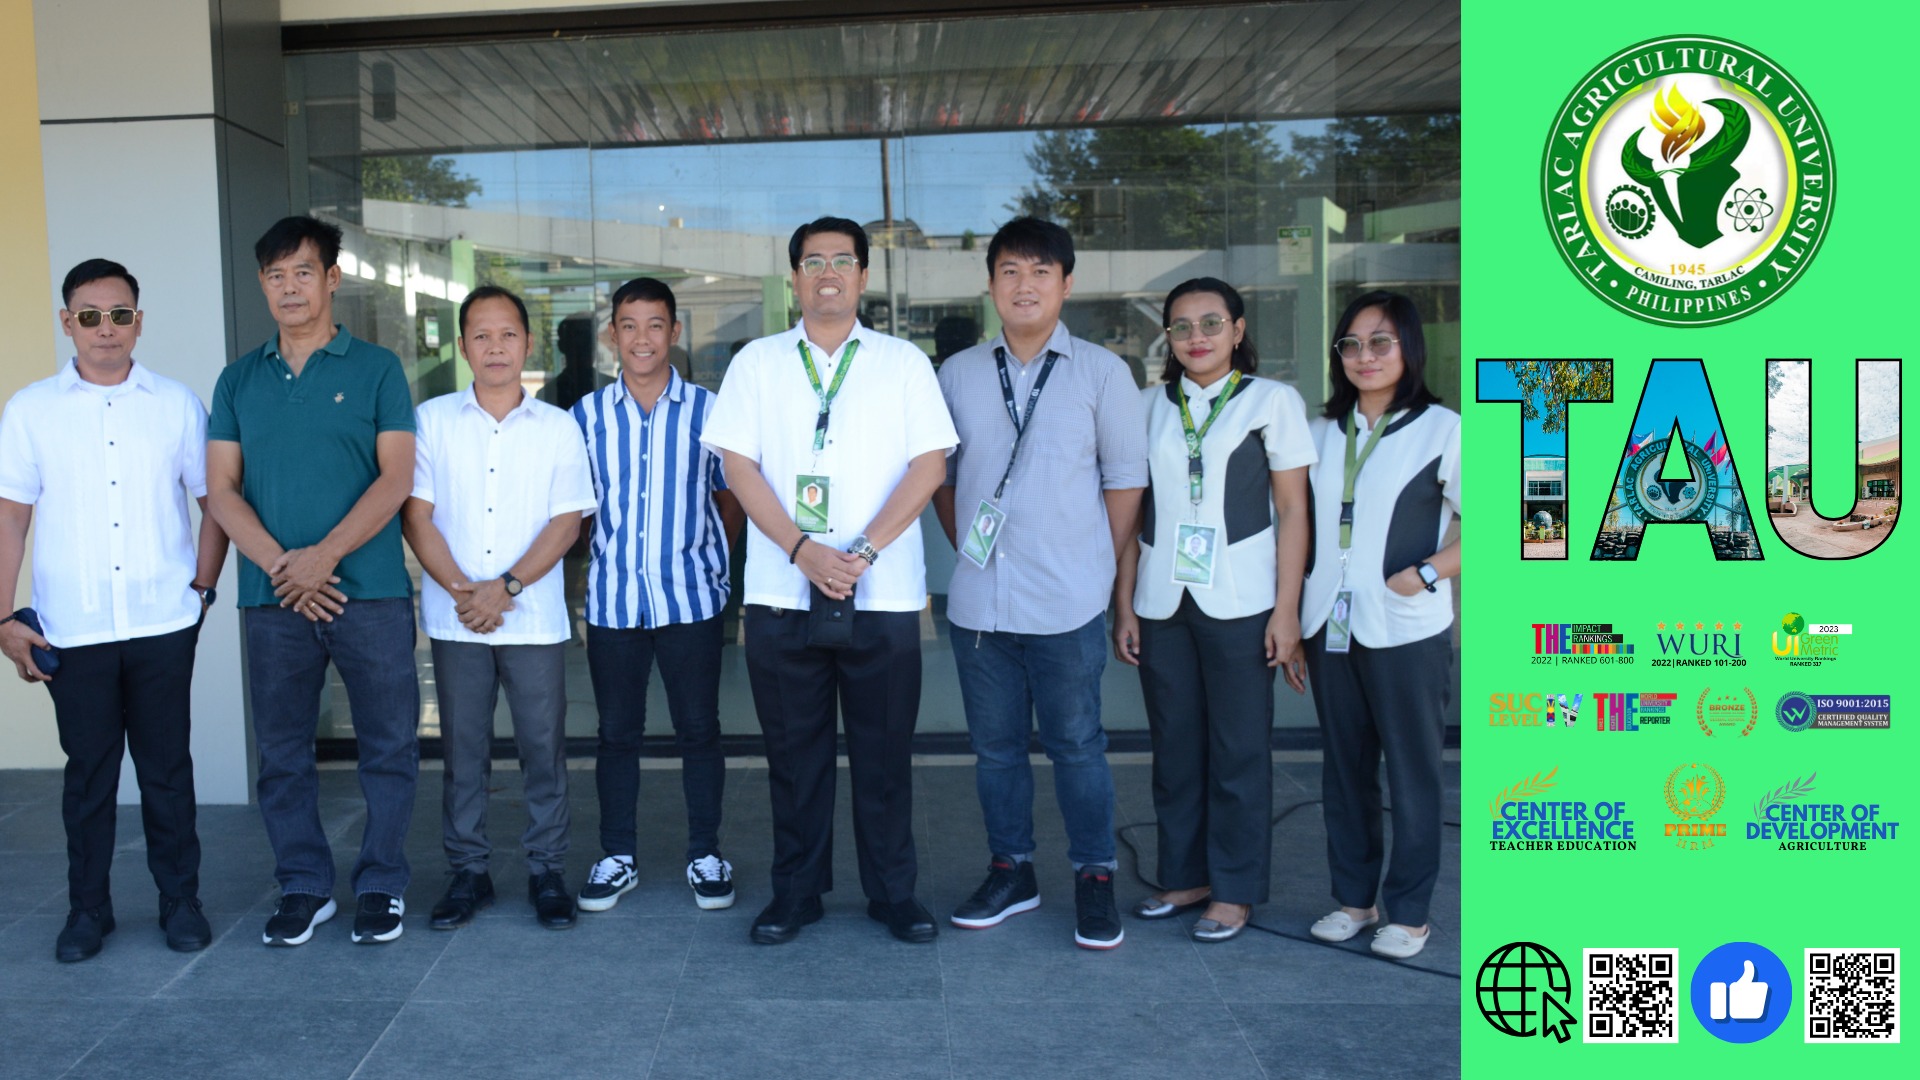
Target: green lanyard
1195, 470
826, 396
1354, 465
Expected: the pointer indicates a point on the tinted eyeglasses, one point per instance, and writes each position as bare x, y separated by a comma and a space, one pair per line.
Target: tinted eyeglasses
815, 265
90, 317
1210, 325
1378, 344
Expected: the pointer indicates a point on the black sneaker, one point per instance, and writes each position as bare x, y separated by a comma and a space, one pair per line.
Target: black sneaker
85, 932
186, 927
293, 921
378, 919
1096, 919
711, 878
552, 903
609, 880
1010, 889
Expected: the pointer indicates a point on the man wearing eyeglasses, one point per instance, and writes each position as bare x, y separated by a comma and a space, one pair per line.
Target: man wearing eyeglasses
833, 437
107, 453
1052, 461
310, 455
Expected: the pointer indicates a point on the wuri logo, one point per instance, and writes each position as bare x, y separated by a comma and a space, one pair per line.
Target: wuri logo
1687, 180
1699, 640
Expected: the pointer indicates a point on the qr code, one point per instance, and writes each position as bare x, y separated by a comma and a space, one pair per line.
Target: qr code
1631, 995
1853, 995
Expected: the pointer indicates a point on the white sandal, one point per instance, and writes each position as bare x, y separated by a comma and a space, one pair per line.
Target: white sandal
1340, 926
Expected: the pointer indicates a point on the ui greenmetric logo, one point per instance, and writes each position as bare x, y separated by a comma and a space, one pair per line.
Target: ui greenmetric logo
1688, 180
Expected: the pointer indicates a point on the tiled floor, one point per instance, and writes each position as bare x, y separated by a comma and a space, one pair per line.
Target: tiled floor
657, 988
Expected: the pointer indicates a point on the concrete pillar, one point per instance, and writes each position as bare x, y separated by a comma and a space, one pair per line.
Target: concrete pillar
162, 147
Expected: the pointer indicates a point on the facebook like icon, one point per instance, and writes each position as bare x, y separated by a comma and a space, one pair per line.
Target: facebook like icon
1741, 992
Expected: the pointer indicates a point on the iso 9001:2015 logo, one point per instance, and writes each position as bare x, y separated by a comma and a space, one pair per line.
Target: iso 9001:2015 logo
1688, 180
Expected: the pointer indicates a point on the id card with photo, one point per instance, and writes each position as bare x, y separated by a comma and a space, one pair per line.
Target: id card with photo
810, 502
1194, 551
988, 523
1340, 623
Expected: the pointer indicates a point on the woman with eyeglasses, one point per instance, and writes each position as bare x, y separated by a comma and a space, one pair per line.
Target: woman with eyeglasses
1207, 604
1378, 614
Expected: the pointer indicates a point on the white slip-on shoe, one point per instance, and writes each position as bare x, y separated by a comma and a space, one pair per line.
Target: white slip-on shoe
1340, 926
1397, 942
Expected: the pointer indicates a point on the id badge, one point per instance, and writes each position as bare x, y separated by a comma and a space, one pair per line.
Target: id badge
1340, 623
1194, 549
810, 502
988, 523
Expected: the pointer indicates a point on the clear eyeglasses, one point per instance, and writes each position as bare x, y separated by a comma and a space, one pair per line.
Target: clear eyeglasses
815, 265
1210, 325
1348, 348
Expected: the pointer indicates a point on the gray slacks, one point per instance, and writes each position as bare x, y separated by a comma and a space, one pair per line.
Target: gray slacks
469, 677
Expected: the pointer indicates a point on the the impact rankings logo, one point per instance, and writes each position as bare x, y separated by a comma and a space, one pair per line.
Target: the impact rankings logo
1687, 180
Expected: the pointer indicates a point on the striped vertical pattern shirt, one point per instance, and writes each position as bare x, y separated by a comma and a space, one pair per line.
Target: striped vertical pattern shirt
659, 549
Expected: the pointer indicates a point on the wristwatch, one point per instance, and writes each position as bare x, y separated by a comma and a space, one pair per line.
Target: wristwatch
513, 583
1428, 575
864, 548
206, 595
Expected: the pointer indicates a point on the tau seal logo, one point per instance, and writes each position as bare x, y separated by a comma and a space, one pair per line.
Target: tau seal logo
1688, 181
1686, 493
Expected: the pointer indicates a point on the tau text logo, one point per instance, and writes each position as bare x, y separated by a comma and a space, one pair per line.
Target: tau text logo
1687, 181
1804, 644
1858, 712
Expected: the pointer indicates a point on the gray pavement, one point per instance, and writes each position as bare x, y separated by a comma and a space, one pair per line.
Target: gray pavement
656, 988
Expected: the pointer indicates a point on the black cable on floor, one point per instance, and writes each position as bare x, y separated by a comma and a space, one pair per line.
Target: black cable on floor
1140, 876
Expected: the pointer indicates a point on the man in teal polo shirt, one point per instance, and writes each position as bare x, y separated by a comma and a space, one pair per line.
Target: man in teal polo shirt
309, 458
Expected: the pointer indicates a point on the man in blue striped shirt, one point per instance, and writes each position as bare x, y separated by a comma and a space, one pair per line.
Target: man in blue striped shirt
656, 588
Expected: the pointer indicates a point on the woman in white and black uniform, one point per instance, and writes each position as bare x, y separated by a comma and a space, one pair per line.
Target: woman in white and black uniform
1377, 612
1207, 604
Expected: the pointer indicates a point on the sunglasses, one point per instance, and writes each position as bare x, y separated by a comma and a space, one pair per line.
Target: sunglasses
90, 317
1379, 345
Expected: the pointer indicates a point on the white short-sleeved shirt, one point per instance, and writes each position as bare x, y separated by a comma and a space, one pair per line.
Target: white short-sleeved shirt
1405, 497
494, 484
888, 412
1261, 430
108, 471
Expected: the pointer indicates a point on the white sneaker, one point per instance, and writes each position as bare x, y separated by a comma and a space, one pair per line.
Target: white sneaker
1340, 926
1398, 943
609, 880
711, 879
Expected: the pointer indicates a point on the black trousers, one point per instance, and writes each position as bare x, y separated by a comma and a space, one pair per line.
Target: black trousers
877, 681
128, 696
1370, 702
1209, 697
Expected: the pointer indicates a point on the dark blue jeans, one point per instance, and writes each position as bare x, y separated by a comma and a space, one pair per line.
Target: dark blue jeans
371, 643
1006, 680
689, 659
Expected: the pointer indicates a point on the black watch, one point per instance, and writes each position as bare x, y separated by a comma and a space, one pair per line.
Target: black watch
513, 583
206, 595
1428, 576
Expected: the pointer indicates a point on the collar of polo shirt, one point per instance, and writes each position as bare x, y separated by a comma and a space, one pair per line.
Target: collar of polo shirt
138, 378
675, 391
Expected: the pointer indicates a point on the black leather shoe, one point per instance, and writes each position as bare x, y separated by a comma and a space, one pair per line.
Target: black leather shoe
552, 903
186, 927
86, 929
908, 920
780, 921
467, 895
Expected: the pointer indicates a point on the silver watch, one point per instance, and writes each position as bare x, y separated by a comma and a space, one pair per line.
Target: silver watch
864, 548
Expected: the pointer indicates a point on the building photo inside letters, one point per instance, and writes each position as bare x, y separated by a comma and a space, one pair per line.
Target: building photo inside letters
661, 454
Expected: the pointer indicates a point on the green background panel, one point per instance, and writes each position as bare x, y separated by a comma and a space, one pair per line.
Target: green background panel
1855, 301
